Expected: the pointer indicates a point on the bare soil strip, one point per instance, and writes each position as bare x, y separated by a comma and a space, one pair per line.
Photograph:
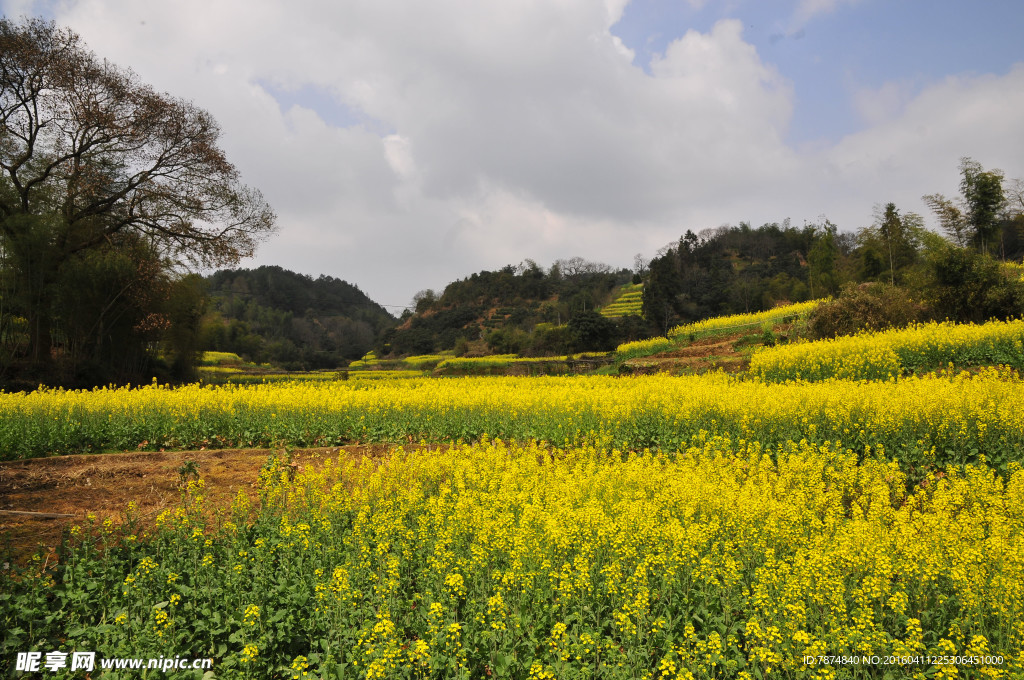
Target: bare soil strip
41, 496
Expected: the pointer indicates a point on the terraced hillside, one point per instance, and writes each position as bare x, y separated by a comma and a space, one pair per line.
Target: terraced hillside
628, 303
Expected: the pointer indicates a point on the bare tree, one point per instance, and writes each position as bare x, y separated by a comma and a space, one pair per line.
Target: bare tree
577, 266
88, 155
1015, 198
640, 264
422, 300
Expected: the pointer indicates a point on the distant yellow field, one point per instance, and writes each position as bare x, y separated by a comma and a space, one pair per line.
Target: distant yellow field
741, 320
717, 324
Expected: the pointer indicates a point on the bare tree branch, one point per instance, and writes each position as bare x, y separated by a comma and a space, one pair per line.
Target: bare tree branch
113, 154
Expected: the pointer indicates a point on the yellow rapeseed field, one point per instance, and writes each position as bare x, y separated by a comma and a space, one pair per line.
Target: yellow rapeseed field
529, 561
639, 348
739, 320
945, 420
886, 354
680, 334
613, 528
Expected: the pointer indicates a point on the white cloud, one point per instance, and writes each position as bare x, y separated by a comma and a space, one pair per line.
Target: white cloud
399, 155
918, 151
884, 103
808, 9
523, 130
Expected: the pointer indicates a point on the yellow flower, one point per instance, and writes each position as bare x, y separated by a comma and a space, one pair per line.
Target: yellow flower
252, 615
299, 666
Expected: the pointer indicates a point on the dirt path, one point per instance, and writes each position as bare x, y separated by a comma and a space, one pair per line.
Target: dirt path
104, 484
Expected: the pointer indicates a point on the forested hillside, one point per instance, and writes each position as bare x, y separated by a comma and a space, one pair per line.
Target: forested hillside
732, 270
270, 314
518, 309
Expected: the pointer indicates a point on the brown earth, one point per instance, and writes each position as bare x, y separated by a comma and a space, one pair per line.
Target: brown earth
104, 484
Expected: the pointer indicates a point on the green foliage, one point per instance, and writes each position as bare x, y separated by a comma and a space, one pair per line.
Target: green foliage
548, 339
506, 340
185, 305
107, 188
117, 314
187, 471
983, 195
592, 332
736, 270
270, 314
974, 219
422, 300
822, 260
890, 246
969, 286
505, 308
868, 306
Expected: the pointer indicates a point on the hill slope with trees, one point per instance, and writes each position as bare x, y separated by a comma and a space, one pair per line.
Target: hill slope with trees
737, 270
741, 270
291, 320
518, 309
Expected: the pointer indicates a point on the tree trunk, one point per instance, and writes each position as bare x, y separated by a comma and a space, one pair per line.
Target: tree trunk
40, 340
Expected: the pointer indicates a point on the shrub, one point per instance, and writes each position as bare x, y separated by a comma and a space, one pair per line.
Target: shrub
506, 340
592, 332
971, 287
869, 306
548, 339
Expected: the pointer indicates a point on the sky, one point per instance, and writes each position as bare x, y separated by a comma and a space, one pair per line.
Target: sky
407, 144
